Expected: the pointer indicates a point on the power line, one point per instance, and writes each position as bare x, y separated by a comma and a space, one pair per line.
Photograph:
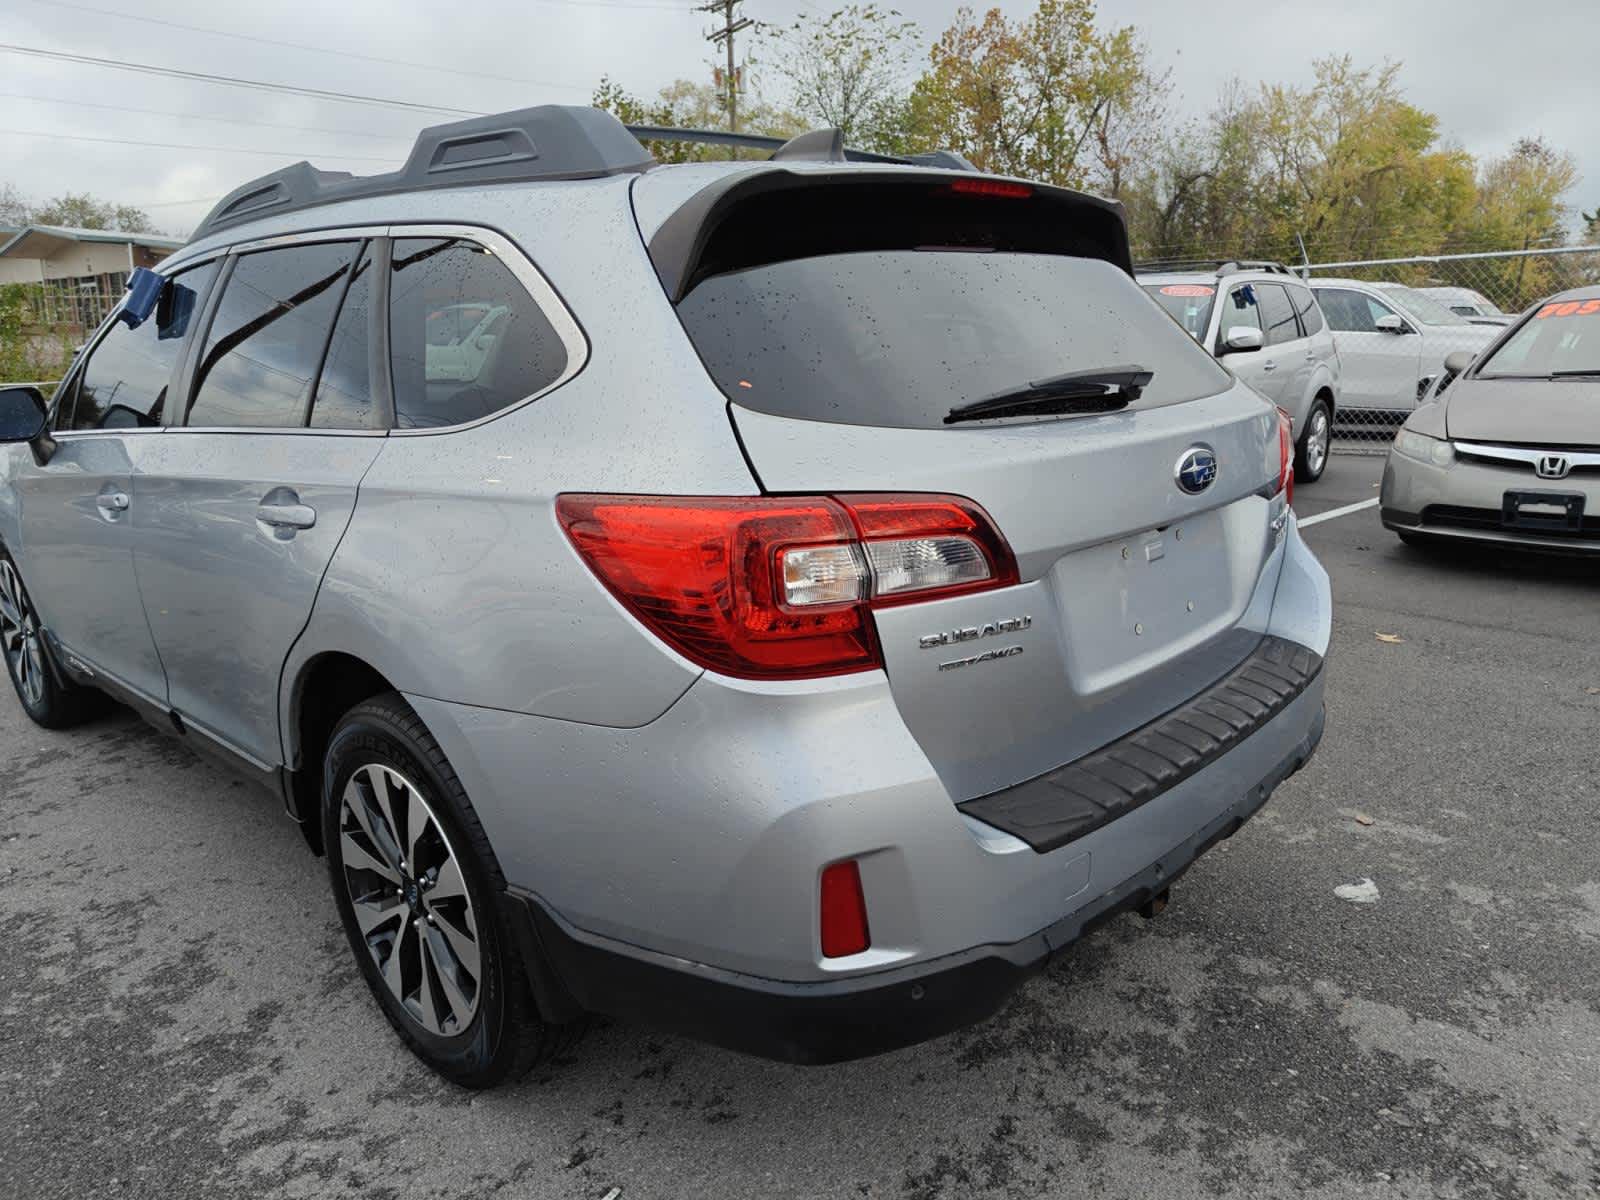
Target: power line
156, 112
79, 137
265, 41
232, 81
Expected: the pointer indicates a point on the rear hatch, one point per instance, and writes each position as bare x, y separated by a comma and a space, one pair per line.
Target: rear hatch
846, 328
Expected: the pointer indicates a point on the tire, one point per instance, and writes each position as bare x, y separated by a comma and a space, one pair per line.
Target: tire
45, 698
1311, 452
475, 1024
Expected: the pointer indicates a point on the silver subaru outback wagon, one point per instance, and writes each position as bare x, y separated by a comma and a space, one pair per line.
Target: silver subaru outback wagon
783, 601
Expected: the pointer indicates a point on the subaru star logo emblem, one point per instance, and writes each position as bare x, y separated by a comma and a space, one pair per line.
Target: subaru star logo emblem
1196, 469
1552, 466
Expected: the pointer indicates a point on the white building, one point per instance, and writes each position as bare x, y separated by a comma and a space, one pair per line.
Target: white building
83, 270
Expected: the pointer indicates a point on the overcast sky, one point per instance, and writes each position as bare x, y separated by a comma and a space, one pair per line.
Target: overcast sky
1491, 71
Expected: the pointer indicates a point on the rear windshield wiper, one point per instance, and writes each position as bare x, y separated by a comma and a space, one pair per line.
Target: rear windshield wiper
1105, 389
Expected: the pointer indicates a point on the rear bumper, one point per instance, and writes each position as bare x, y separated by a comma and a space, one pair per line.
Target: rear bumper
840, 1019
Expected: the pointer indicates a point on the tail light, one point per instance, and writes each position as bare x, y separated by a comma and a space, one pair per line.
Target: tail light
1285, 457
782, 587
843, 910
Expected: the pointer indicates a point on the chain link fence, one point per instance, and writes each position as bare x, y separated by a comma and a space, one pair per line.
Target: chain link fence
1395, 321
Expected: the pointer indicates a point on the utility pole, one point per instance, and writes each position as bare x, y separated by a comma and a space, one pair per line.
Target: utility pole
724, 34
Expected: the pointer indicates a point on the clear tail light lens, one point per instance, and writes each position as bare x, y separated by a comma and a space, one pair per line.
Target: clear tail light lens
774, 587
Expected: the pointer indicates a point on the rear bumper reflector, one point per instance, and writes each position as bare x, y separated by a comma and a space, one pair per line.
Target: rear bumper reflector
1063, 805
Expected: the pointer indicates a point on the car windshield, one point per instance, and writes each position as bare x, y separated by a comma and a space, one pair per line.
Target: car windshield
1188, 303
900, 337
1423, 308
1562, 338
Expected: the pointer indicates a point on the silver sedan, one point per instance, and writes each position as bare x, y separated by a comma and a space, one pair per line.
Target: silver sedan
1509, 452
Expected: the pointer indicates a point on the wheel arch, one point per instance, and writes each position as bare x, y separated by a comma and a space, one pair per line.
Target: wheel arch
324, 687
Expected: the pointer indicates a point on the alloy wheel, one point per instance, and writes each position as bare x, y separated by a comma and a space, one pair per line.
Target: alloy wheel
1317, 442
410, 899
19, 637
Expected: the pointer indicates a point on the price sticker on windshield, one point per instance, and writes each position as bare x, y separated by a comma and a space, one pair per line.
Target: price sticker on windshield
1568, 308
1188, 289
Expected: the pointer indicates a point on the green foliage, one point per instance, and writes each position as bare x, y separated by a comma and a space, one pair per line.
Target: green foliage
74, 209
687, 105
28, 354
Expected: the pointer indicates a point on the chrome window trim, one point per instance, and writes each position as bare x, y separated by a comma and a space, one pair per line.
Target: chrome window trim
539, 289
1527, 455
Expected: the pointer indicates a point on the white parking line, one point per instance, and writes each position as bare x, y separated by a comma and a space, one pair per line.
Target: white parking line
1307, 522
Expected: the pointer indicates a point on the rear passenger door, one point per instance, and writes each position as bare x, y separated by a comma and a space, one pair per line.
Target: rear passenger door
1285, 353
244, 499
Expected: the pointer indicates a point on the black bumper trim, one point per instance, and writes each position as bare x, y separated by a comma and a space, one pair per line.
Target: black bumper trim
1063, 805
839, 1020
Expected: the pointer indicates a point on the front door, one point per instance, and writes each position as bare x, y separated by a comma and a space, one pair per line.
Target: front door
245, 502
1240, 308
78, 513
1380, 368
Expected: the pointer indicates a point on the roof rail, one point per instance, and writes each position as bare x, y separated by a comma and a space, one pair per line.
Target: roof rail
552, 141
1216, 266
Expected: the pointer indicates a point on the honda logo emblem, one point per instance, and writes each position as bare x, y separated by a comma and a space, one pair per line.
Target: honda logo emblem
1552, 466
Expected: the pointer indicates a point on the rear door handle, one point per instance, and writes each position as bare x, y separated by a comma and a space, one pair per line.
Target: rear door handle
114, 501
282, 512
1269, 365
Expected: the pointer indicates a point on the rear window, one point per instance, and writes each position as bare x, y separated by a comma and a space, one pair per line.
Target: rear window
1562, 338
1306, 307
1189, 304
900, 337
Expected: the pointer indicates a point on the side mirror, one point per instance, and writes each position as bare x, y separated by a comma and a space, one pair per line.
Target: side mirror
24, 417
1242, 338
22, 414
1458, 361
1389, 323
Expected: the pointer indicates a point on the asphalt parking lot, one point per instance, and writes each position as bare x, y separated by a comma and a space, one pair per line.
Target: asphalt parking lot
179, 1015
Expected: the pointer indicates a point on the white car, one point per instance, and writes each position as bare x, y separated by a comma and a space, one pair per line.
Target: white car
1465, 302
1264, 324
1392, 341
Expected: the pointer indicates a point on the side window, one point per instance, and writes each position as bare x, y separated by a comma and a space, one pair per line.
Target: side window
268, 335
344, 389
1347, 311
1377, 308
123, 385
1276, 314
1305, 308
466, 338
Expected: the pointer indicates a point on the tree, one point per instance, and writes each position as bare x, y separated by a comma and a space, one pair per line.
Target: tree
14, 209
1050, 97
684, 104
81, 210
848, 70
1347, 165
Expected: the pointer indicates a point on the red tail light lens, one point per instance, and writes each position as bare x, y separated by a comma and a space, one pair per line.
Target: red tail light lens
844, 911
773, 587
1286, 456
967, 185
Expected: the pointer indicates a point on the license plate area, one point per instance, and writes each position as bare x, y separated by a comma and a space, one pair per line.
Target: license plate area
1143, 596
1559, 512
